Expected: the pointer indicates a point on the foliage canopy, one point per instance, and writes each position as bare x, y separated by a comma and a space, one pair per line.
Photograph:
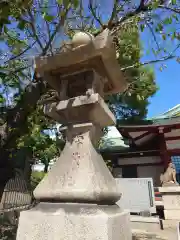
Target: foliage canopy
31, 28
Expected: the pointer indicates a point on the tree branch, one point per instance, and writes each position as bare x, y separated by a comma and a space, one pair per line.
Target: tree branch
176, 48
21, 53
34, 29
49, 36
61, 23
176, 10
113, 14
129, 15
137, 65
141, 8
163, 59
93, 12
153, 34
16, 118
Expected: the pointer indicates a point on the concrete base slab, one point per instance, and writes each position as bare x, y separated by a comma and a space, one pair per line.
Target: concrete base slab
64, 221
172, 189
170, 223
144, 235
145, 223
171, 201
172, 214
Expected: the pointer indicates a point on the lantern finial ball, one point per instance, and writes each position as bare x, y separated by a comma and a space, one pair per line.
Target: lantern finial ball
82, 38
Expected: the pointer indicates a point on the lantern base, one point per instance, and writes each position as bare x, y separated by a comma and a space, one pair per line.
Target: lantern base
67, 221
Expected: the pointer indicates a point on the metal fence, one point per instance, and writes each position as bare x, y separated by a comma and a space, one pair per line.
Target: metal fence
17, 194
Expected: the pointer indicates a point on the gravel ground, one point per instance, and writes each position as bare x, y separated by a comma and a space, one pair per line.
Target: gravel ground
169, 232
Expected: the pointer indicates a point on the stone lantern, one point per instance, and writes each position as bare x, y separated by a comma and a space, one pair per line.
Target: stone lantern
78, 196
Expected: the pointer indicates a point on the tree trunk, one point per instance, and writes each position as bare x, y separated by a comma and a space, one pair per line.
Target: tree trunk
16, 126
46, 168
16, 117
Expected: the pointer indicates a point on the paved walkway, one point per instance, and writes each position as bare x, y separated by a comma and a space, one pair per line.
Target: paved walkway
170, 229
169, 232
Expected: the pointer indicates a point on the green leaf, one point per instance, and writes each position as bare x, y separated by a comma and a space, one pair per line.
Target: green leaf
175, 17
60, 2
155, 4
159, 27
2, 100
173, 2
178, 59
22, 25
164, 36
154, 51
76, 3
47, 17
167, 21
173, 36
142, 27
5, 29
139, 97
2, 75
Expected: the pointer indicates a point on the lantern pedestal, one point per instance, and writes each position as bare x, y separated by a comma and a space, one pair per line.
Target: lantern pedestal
74, 221
78, 196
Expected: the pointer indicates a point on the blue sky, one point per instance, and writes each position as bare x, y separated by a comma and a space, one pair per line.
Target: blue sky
169, 93
168, 80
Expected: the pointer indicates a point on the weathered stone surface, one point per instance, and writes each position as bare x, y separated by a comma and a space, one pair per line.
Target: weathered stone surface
99, 54
145, 235
172, 214
169, 177
80, 174
171, 202
82, 83
81, 109
172, 189
81, 38
78, 195
145, 223
74, 222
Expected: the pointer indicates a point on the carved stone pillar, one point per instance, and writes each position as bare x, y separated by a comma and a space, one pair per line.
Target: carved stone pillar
80, 175
78, 196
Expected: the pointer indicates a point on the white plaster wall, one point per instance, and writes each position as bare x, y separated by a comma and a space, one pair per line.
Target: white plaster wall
174, 132
173, 144
139, 160
153, 172
150, 171
143, 171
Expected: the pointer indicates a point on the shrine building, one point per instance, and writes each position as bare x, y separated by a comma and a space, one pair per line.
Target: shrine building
144, 150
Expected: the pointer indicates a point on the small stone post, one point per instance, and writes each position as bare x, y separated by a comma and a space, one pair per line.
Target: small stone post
171, 202
78, 196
